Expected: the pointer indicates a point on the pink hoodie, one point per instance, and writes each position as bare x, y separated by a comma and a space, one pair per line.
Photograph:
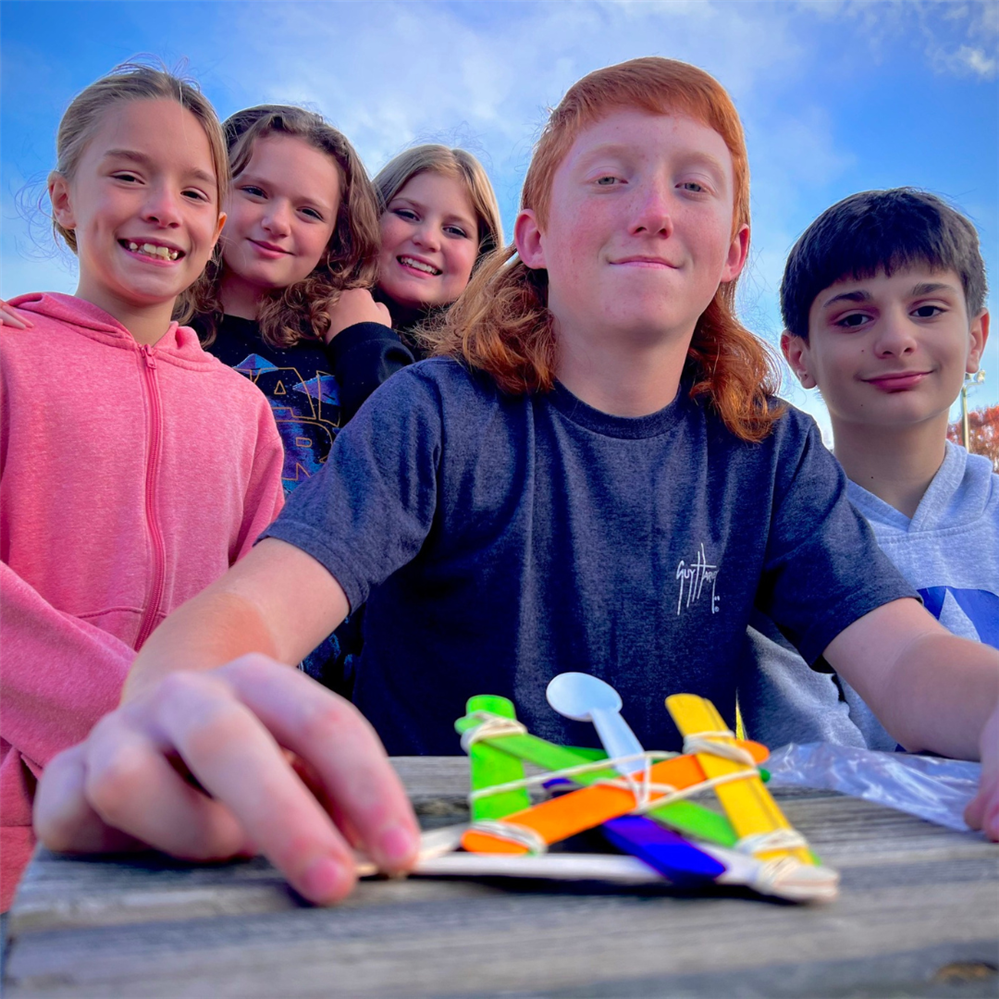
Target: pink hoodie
130, 478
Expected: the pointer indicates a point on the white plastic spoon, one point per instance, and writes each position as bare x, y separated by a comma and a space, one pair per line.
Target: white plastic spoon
583, 697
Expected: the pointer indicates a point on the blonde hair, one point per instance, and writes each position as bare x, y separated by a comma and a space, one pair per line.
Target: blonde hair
502, 324
300, 311
458, 165
133, 82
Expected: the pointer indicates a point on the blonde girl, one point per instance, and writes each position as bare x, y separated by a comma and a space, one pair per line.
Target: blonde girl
134, 468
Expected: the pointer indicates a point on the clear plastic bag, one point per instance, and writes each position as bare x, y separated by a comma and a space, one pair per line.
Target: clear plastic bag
933, 788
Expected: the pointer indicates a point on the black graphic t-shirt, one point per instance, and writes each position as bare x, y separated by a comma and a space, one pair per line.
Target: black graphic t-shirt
303, 385
505, 539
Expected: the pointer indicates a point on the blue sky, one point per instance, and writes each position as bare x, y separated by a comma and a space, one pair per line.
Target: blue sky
836, 97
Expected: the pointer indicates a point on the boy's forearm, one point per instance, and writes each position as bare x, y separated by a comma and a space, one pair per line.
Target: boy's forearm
213, 628
940, 694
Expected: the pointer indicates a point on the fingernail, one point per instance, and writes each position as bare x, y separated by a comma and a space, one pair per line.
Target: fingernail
397, 845
325, 880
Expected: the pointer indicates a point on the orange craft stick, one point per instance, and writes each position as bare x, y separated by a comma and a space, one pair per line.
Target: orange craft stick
562, 817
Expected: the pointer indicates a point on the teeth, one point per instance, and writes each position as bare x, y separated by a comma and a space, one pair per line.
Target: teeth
419, 265
151, 250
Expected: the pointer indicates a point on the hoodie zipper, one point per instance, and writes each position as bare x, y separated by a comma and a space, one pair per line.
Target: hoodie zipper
157, 582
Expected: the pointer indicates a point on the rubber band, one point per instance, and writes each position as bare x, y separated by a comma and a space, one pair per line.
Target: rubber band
533, 841
490, 727
710, 742
776, 839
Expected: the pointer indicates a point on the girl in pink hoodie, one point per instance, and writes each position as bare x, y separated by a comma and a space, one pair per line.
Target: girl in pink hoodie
134, 467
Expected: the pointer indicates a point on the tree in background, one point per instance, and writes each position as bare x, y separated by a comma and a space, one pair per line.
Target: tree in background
983, 429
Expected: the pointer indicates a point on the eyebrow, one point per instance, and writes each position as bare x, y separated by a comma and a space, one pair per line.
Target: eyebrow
250, 178
143, 160
926, 288
448, 217
697, 158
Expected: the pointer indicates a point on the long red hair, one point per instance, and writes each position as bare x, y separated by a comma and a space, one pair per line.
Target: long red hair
501, 323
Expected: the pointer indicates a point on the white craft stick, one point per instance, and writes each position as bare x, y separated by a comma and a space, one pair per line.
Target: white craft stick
556, 866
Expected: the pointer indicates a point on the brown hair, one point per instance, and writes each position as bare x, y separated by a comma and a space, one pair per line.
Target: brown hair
301, 310
502, 324
456, 164
133, 82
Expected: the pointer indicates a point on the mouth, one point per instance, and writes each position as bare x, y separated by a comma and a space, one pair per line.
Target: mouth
644, 261
899, 381
423, 266
155, 251
271, 248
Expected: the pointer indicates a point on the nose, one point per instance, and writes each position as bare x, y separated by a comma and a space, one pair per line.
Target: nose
427, 235
277, 219
652, 212
895, 335
162, 206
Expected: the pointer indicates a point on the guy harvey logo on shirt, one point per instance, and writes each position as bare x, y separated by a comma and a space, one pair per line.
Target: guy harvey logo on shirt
693, 579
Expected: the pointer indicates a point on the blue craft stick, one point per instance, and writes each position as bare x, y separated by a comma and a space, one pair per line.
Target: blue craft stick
663, 850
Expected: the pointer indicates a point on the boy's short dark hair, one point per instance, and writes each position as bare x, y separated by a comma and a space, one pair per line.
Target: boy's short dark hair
880, 232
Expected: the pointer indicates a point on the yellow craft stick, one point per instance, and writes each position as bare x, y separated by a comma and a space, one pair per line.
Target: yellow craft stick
747, 803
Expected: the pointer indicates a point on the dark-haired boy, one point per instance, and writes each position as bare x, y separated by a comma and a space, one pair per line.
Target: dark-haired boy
883, 299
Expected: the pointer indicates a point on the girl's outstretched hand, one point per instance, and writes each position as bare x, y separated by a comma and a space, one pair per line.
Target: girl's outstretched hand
356, 305
983, 811
291, 771
9, 316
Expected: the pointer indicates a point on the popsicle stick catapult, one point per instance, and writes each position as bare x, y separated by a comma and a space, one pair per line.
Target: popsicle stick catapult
638, 799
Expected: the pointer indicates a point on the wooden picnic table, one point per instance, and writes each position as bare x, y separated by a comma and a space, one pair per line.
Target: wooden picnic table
918, 915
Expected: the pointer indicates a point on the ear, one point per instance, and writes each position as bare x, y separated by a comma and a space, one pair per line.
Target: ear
218, 228
795, 351
59, 195
528, 238
738, 251
979, 335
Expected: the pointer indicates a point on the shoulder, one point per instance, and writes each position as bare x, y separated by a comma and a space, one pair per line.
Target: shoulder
446, 382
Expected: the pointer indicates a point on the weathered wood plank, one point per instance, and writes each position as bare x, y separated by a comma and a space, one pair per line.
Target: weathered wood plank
915, 898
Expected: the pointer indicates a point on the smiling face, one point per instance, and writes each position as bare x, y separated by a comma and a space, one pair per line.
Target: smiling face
281, 215
142, 202
430, 239
889, 351
639, 231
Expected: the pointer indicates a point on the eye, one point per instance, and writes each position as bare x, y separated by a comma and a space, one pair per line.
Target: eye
195, 195
928, 311
312, 213
124, 175
609, 180
693, 186
852, 320
253, 191
457, 231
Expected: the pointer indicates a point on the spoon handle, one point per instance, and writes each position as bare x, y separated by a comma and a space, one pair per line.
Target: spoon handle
617, 738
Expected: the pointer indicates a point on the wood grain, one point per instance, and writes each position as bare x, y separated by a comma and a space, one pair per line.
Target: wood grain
918, 915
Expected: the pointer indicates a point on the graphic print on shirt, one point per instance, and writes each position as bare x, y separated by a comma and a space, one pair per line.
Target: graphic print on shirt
980, 607
306, 411
693, 578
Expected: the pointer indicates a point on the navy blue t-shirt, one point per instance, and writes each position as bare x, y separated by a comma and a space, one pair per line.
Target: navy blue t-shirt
499, 540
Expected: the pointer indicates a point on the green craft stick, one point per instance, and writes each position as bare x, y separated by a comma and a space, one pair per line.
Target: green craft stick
684, 816
489, 766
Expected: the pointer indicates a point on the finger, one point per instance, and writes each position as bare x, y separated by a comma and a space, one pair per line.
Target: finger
239, 762
342, 747
133, 787
11, 317
63, 818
